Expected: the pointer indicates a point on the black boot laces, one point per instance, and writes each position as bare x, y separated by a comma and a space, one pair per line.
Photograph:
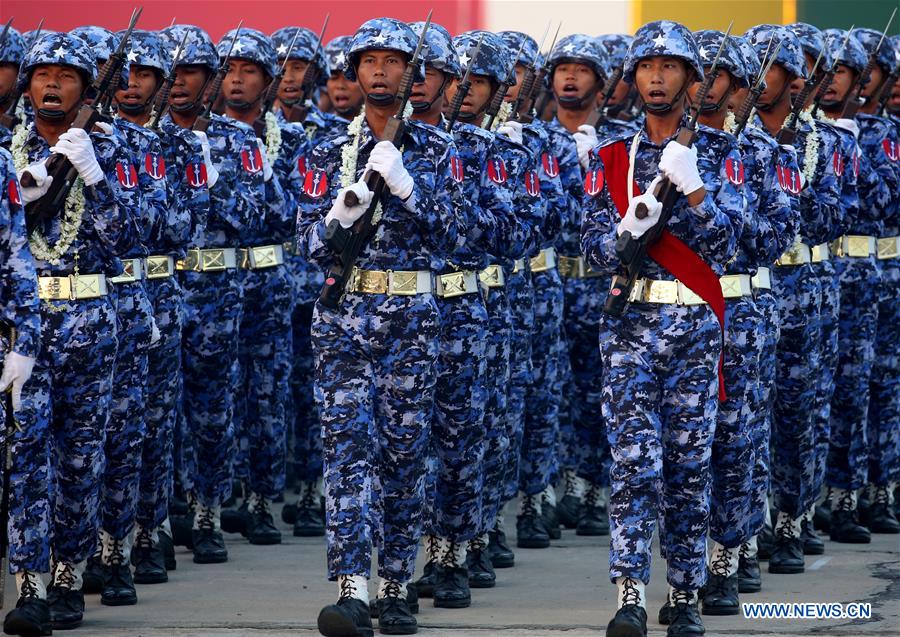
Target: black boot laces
681, 598
347, 588
719, 566
528, 509
261, 506
29, 585
591, 496
117, 553
784, 530
881, 496
477, 545
448, 559
631, 596
744, 551
144, 539
845, 503
434, 546
65, 577
571, 485
308, 497
392, 590
205, 518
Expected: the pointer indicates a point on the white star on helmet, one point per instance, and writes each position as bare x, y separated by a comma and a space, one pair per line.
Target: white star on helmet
60, 51
132, 56
464, 59
282, 50
341, 59
238, 47
704, 53
381, 38
659, 40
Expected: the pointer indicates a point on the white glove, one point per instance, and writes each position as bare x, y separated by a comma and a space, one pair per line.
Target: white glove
39, 172
76, 145
347, 215
585, 141
105, 128
848, 125
212, 175
636, 226
154, 332
679, 164
512, 130
267, 167
16, 372
387, 161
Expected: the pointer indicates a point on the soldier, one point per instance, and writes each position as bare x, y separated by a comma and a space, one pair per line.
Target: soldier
19, 347
231, 171
858, 278
878, 137
799, 300
345, 96
264, 331
165, 243
71, 389
660, 358
12, 52
376, 353
579, 67
621, 107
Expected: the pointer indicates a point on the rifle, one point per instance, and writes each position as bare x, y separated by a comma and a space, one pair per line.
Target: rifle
58, 165
462, 90
632, 252
298, 111
10, 118
161, 99
500, 96
6, 456
742, 115
539, 102
215, 86
526, 91
788, 132
599, 113
268, 100
828, 77
347, 244
857, 101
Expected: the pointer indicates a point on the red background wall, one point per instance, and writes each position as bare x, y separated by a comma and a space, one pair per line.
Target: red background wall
218, 16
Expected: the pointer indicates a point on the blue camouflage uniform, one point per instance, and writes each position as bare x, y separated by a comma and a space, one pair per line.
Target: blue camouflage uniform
67, 406
12, 51
660, 361
376, 354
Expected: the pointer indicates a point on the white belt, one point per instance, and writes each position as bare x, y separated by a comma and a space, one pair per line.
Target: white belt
735, 286
888, 247
133, 271
455, 284
763, 279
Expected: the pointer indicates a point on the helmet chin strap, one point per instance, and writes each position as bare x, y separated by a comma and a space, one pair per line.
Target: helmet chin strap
708, 109
133, 109
51, 114
664, 109
241, 106
765, 108
380, 99
465, 116
424, 107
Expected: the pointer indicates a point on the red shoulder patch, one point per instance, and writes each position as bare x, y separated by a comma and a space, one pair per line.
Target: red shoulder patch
837, 162
315, 184
155, 165
891, 149
196, 174
15, 197
251, 160
496, 170
532, 183
456, 169
788, 179
550, 164
126, 174
734, 169
593, 182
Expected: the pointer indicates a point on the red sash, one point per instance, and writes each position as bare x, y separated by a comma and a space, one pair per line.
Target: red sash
669, 251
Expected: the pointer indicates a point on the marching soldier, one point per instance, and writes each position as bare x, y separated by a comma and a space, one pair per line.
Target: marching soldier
661, 357
75, 251
345, 97
12, 52
376, 353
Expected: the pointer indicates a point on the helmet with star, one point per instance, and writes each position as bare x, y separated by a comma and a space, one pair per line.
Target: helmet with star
789, 55
616, 45
63, 49
251, 45
493, 59
581, 49
381, 34
198, 49
306, 47
336, 53
439, 52
663, 38
12, 48
709, 42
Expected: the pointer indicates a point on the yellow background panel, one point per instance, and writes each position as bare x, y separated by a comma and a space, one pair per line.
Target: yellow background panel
712, 14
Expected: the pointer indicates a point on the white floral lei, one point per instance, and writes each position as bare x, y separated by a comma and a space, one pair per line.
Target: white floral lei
502, 115
730, 123
273, 137
811, 151
72, 213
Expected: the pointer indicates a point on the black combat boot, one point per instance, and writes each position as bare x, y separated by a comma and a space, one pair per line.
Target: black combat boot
209, 545
65, 600
478, 563
31, 616
593, 520
530, 531
308, 519
684, 618
881, 517
845, 526
502, 555
631, 618
720, 595
148, 559
261, 529
394, 614
787, 548
812, 543
749, 577
349, 617
118, 585
570, 504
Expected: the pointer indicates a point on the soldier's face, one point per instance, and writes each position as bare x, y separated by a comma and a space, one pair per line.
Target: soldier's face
428, 90
895, 96
737, 98
8, 74
797, 84
189, 81
345, 95
55, 87
244, 82
513, 92
776, 78
142, 81
840, 85
720, 86
477, 98
380, 72
573, 81
659, 79
876, 77
619, 95
292, 82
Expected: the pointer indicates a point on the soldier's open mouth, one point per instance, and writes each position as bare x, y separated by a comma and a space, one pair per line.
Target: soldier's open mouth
52, 99
657, 95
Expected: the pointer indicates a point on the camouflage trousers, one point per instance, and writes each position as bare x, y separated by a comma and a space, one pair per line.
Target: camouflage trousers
521, 373
264, 350
828, 348
376, 360
304, 432
884, 393
127, 429
848, 460
497, 455
793, 435
212, 303
660, 380
163, 393
733, 449
584, 312
761, 419
458, 435
58, 458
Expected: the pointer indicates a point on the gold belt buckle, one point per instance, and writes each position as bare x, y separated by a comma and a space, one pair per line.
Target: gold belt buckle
55, 288
689, 297
858, 246
820, 253
888, 247
539, 262
453, 284
731, 287
660, 291
190, 262
567, 266
157, 267
86, 286
212, 260
403, 283
490, 276
371, 281
128, 272
263, 257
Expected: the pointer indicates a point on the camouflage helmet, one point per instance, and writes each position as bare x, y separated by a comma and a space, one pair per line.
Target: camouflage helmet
582, 49
103, 42
198, 47
663, 38
731, 59
306, 47
251, 45
493, 60
749, 57
530, 53
336, 53
616, 45
790, 54
853, 55
145, 48
438, 51
812, 41
381, 34
895, 41
59, 48
885, 56
12, 49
